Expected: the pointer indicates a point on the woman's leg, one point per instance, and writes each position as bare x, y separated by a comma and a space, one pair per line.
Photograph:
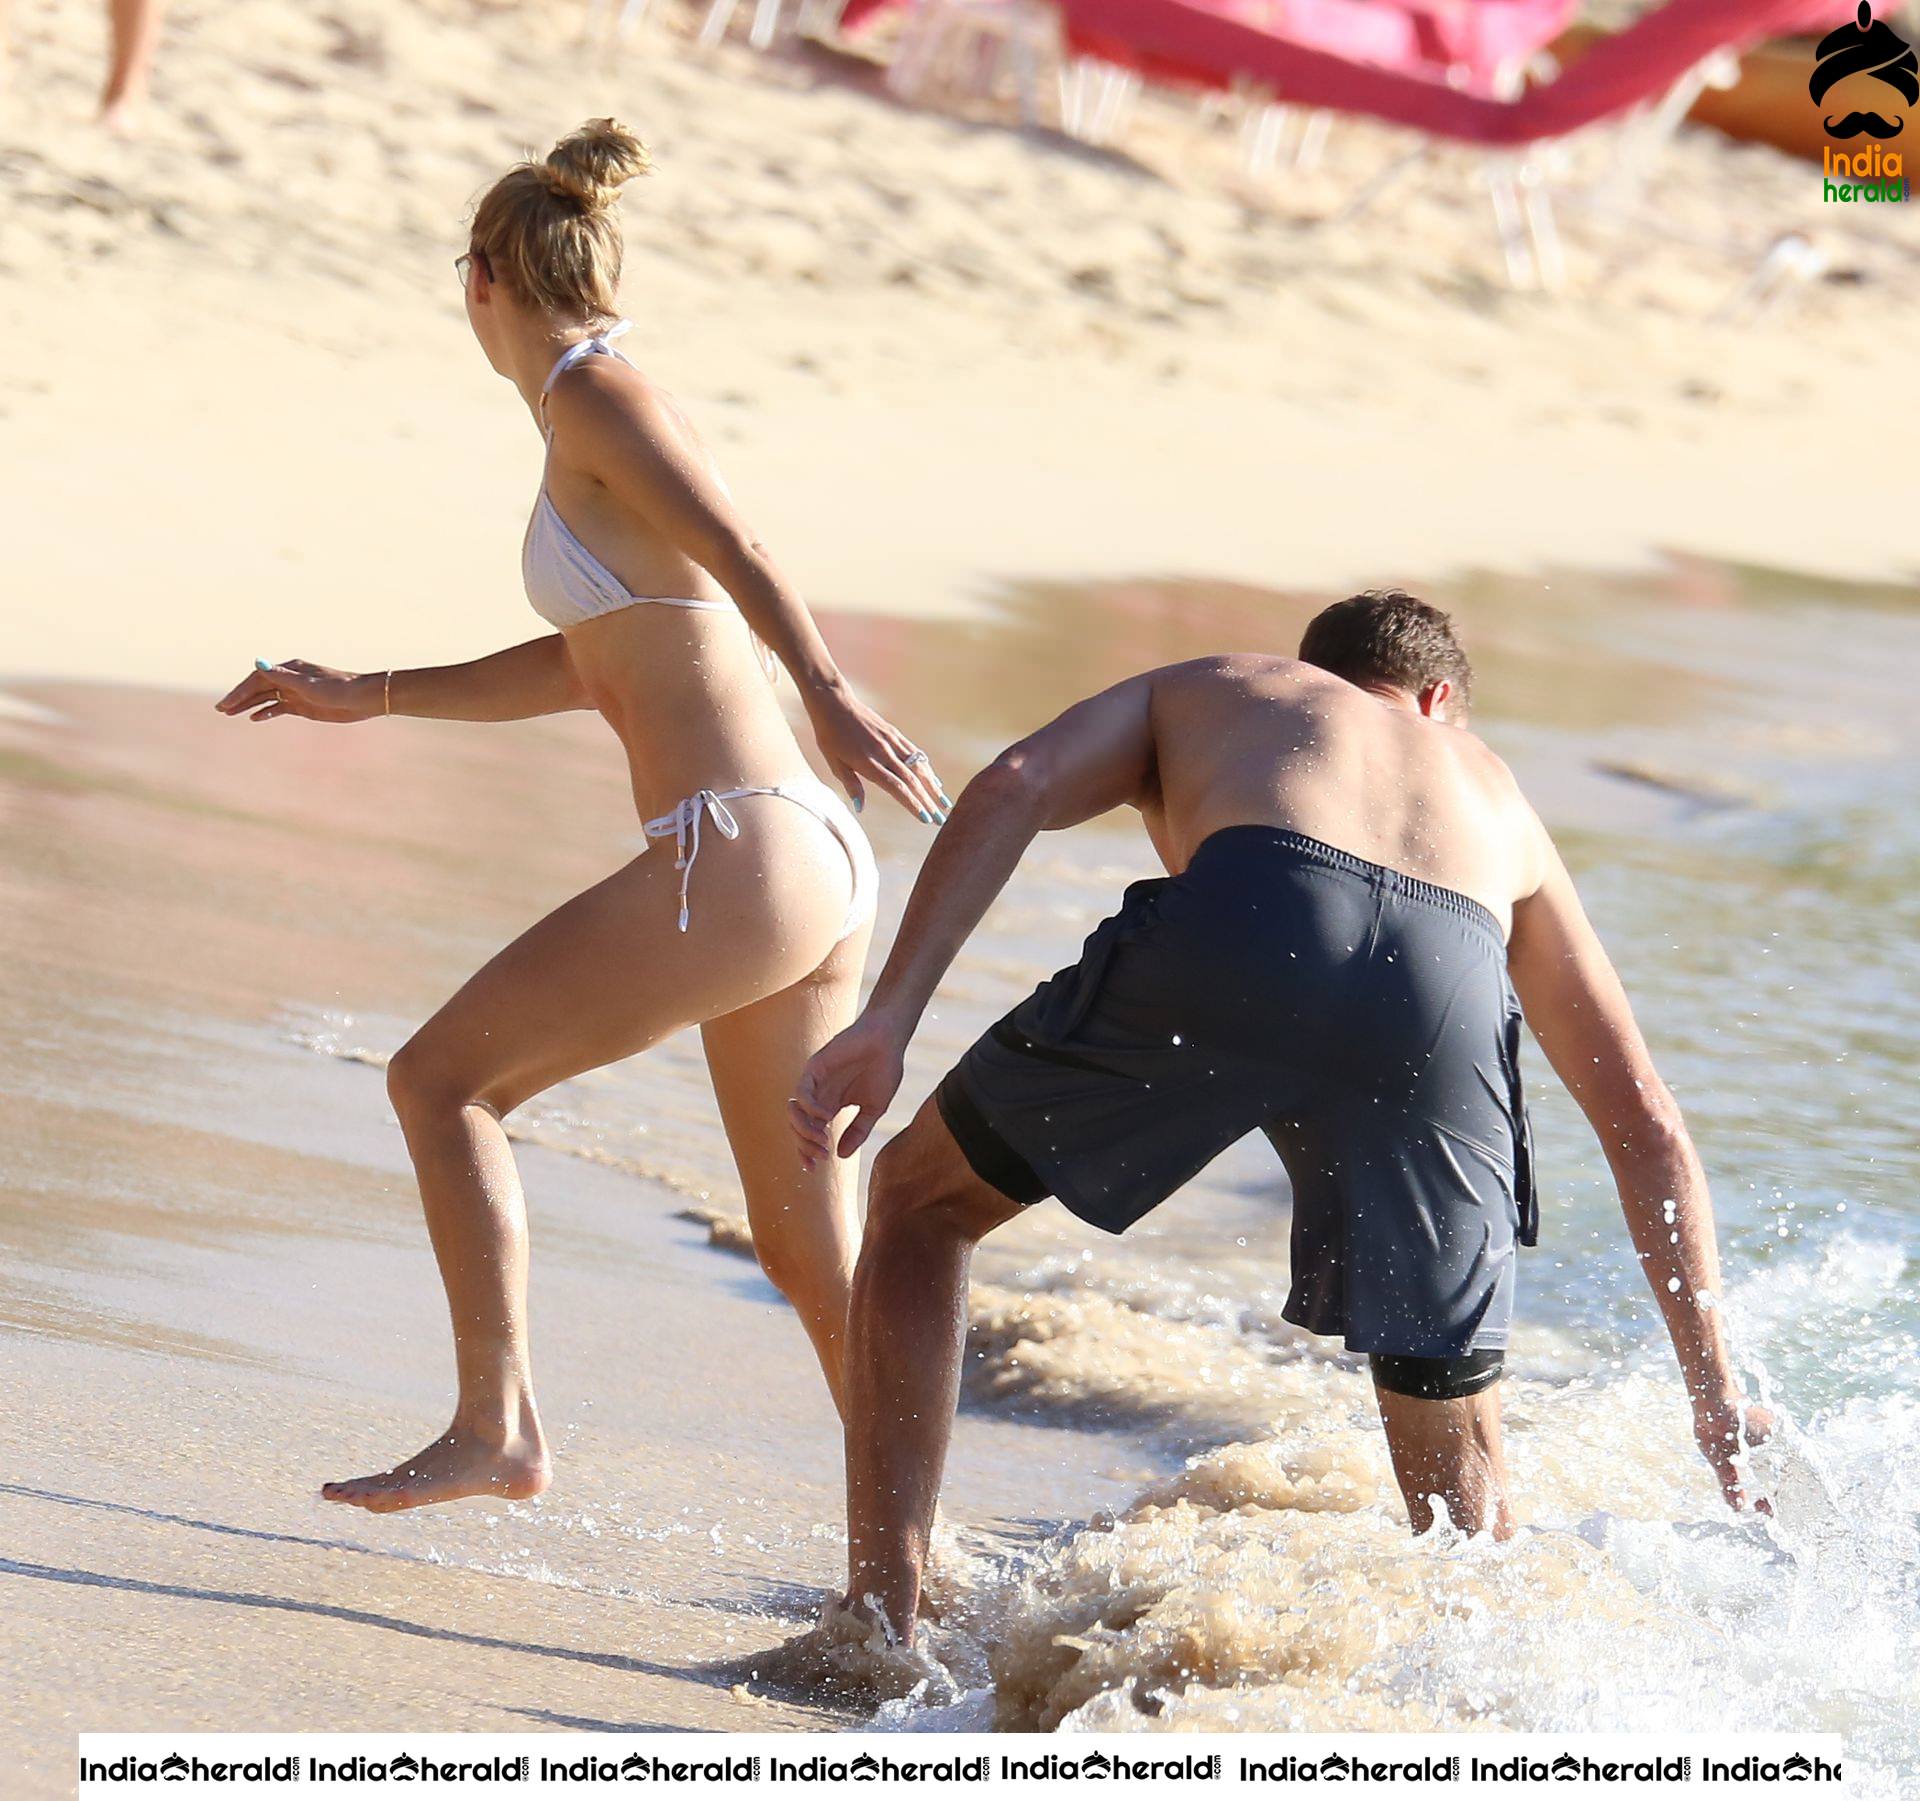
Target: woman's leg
806, 1224
136, 35
599, 979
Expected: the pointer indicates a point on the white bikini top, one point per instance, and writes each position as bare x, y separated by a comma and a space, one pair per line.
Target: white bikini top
565, 581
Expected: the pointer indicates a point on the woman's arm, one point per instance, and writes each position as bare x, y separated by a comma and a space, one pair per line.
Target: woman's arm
522, 683
620, 432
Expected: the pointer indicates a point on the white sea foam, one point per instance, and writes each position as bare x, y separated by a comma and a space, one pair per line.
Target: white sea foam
1272, 1581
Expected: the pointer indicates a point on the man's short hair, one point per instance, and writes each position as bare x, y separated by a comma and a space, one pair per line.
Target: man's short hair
1388, 637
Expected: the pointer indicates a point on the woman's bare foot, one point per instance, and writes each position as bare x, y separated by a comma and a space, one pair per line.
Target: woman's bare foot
122, 118
457, 1464
123, 108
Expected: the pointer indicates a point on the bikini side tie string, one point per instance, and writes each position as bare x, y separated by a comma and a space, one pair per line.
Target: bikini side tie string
683, 826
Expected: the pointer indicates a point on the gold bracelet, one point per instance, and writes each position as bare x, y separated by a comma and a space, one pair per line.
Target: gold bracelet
386, 696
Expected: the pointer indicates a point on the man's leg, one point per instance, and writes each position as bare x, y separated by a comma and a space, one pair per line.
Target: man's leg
906, 1333
1449, 1448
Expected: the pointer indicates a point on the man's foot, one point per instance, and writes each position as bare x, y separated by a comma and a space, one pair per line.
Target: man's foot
851, 1654
453, 1467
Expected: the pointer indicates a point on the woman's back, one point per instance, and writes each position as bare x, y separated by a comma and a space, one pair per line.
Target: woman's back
587, 550
664, 655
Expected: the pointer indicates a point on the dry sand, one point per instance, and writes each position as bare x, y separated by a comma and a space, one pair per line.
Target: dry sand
240, 413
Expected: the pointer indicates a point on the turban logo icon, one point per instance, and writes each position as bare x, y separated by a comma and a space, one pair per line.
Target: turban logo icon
1867, 47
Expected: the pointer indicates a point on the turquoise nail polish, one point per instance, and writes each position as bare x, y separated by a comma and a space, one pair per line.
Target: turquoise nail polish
942, 820
859, 801
261, 664
926, 818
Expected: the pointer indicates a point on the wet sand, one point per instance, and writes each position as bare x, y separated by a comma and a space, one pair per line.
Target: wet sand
217, 1291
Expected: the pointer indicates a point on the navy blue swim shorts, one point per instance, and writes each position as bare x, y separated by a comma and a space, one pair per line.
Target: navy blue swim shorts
1361, 1018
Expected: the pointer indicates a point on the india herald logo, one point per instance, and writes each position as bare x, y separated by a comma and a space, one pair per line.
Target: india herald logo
1872, 48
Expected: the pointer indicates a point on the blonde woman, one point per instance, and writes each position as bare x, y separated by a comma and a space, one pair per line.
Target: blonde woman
749, 919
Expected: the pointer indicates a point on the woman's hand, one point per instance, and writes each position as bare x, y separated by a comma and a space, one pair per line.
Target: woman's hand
302, 690
861, 747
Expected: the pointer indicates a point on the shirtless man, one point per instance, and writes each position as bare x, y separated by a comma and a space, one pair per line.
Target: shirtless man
1361, 903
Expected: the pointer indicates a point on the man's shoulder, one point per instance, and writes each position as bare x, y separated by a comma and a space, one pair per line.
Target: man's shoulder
1492, 769
1236, 667
1511, 814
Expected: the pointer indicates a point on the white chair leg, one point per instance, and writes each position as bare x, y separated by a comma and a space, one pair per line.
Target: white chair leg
1368, 195
1264, 132
1023, 59
1313, 141
1099, 96
1509, 220
1076, 86
632, 16
1543, 230
766, 24
1095, 81
1094, 97
1117, 89
714, 29
1791, 261
918, 41
1644, 140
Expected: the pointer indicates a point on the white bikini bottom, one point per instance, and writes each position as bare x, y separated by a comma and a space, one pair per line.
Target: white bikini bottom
810, 794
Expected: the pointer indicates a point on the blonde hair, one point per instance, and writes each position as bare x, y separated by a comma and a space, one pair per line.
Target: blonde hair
548, 229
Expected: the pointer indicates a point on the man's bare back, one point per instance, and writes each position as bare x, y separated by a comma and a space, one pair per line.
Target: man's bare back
1258, 740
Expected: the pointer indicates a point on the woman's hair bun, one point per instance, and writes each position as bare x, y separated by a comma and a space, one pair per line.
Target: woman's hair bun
593, 164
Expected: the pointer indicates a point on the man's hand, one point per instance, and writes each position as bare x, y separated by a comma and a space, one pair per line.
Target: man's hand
860, 1068
1724, 1426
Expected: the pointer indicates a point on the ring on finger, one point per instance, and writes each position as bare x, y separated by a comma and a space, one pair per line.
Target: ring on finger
919, 756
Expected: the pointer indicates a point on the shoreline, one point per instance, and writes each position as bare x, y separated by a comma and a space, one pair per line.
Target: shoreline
392, 535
